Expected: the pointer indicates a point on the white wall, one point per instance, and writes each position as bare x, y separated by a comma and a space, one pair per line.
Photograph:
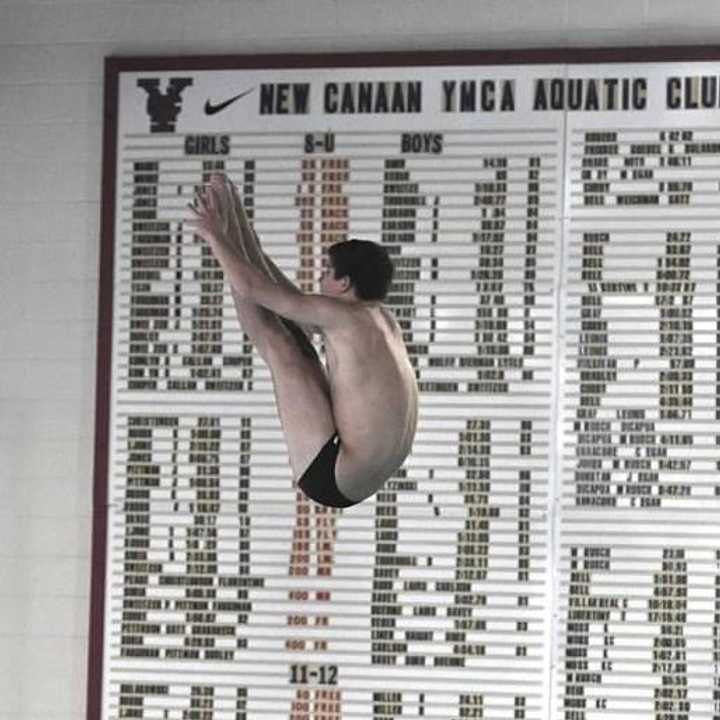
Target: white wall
51, 68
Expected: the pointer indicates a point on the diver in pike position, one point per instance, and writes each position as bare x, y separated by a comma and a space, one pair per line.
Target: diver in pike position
347, 428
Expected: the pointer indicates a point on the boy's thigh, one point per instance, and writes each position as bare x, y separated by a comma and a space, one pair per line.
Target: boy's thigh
302, 393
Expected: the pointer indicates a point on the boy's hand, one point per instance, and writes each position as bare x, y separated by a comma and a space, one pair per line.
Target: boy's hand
210, 209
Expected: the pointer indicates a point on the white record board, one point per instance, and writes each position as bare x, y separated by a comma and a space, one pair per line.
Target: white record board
551, 547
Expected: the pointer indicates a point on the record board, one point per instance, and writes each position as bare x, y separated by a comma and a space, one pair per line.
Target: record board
551, 546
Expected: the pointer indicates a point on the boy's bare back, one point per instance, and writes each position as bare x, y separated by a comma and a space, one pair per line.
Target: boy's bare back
374, 397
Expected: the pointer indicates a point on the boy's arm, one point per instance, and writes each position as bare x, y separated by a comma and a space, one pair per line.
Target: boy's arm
251, 283
252, 248
261, 259
279, 275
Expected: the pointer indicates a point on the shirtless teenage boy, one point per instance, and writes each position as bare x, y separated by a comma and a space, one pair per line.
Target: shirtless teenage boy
349, 429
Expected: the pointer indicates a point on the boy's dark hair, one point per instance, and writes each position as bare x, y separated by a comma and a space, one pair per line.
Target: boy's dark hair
367, 264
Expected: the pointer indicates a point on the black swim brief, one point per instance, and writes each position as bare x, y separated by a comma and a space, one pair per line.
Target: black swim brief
318, 481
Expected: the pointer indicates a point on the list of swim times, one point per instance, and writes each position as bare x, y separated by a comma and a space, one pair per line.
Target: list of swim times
551, 546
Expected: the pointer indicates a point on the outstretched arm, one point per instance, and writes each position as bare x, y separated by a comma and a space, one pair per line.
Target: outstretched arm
250, 283
252, 239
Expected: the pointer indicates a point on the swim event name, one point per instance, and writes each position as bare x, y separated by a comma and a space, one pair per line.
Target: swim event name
555, 93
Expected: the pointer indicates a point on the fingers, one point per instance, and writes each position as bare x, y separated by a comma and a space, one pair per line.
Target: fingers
214, 196
213, 191
205, 203
210, 197
201, 217
200, 202
221, 199
210, 204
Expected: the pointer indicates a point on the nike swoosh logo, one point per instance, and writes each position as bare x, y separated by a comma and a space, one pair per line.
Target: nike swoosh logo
211, 109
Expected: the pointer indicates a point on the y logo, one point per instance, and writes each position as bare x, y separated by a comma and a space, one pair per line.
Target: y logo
163, 109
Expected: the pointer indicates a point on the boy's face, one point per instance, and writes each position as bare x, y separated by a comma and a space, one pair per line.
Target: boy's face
329, 284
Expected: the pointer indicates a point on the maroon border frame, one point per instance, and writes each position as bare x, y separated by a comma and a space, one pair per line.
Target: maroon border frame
102, 395
114, 65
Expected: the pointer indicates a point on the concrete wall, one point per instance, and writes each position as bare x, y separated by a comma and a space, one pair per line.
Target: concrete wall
51, 69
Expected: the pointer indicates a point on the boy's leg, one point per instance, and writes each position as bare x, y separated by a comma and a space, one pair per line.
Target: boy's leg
240, 233
302, 395
243, 237
302, 390
255, 320
253, 242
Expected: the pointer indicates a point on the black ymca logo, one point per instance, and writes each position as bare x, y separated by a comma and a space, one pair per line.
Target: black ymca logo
164, 109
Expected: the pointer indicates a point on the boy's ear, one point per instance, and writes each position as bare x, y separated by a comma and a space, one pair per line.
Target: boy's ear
346, 283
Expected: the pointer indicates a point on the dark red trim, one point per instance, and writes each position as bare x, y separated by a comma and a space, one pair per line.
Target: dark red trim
668, 53
102, 398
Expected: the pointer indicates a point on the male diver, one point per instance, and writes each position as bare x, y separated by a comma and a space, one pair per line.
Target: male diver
350, 428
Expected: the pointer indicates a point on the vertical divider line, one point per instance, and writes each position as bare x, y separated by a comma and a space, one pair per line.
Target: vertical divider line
556, 426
